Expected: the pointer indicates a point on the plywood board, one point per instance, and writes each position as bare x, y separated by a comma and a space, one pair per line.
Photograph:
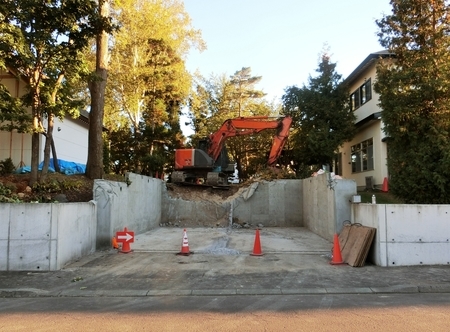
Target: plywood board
355, 241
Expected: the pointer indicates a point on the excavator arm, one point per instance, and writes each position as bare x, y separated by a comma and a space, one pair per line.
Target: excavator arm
248, 126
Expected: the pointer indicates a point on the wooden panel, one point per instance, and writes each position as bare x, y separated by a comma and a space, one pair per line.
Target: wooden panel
355, 241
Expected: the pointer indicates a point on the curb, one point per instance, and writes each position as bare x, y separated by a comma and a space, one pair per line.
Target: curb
400, 289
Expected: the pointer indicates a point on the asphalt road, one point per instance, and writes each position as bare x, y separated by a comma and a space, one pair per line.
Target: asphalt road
343, 312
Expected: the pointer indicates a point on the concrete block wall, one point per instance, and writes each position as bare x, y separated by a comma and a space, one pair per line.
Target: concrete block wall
136, 205
45, 237
327, 204
407, 234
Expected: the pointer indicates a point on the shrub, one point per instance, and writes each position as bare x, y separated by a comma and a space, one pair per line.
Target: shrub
6, 166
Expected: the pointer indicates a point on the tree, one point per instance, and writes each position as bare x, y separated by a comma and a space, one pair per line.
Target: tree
220, 98
322, 119
41, 42
148, 81
414, 88
244, 87
13, 115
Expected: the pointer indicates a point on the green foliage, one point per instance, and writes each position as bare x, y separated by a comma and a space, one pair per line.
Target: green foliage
414, 88
70, 184
6, 195
42, 41
220, 98
12, 115
147, 83
55, 186
381, 197
51, 186
7, 166
322, 119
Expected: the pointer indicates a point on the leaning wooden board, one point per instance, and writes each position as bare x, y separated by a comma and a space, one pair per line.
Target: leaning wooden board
355, 241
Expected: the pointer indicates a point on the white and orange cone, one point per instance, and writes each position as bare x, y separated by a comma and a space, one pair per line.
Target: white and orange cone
185, 245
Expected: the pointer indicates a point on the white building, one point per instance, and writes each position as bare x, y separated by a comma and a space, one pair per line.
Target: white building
364, 158
70, 136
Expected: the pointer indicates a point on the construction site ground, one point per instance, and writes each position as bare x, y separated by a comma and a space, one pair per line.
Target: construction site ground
293, 261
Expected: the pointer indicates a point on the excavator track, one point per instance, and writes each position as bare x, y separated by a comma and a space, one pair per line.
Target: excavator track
214, 180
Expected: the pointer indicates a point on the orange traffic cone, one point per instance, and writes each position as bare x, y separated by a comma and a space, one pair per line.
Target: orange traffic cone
185, 245
126, 248
115, 245
385, 188
257, 246
337, 257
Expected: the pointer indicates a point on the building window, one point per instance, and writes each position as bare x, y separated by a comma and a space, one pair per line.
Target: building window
362, 95
362, 156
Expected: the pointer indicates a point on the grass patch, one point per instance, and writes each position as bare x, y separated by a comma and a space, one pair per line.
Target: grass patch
381, 197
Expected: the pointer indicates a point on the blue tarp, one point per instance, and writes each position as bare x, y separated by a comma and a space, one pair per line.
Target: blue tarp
66, 167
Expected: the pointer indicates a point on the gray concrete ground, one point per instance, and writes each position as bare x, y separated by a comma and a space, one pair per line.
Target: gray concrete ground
294, 261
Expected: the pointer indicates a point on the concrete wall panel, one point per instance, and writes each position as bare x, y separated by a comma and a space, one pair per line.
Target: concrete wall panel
406, 234
293, 198
29, 255
416, 253
136, 205
4, 221
77, 230
344, 190
276, 207
406, 223
4, 244
30, 221
46, 237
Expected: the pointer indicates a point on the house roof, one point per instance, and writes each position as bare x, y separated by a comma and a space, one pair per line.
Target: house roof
368, 61
84, 115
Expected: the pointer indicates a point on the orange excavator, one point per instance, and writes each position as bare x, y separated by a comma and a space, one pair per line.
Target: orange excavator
209, 165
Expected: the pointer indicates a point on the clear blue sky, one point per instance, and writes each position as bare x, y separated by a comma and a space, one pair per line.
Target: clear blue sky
281, 39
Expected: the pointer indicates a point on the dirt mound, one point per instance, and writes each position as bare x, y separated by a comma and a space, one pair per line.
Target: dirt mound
199, 193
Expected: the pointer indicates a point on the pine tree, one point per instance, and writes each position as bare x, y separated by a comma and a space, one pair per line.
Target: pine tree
220, 98
322, 119
414, 88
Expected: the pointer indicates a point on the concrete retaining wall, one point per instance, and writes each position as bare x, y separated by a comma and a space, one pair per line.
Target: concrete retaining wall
48, 236
274, 203
327, 204
45, 237
136, 205
407, 234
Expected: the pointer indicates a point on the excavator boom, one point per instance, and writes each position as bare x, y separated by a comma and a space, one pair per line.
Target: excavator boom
248, 126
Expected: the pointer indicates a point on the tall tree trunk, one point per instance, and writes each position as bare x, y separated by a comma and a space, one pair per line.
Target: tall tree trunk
51, 125
48, 142
55, 157
94, 166
34, 158
35, 140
